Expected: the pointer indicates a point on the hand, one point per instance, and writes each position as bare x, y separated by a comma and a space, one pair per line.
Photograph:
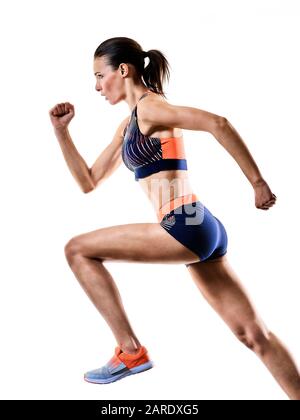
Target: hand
61, 115
264, 198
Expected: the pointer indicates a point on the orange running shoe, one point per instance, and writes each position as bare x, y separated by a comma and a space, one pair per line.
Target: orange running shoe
119, 366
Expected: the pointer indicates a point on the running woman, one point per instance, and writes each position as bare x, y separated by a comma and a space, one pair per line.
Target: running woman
150, 143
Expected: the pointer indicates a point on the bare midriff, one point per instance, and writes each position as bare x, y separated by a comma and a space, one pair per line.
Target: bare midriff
167, 190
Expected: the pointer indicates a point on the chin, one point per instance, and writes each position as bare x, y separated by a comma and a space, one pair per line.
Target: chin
115, 101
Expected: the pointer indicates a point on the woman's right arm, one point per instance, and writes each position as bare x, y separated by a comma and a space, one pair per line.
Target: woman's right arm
60, 116
110, 158
74, 160
107, 162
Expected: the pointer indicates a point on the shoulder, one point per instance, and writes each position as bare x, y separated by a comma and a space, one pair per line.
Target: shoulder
149, 110
151, 104
156, 112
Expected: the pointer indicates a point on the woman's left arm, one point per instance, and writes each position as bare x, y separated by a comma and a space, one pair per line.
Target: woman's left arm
163, 114
229, 138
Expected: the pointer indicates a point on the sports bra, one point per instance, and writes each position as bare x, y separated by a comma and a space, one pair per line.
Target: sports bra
146, 155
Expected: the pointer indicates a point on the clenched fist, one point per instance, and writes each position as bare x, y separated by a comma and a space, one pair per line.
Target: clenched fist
61, 115
264, 198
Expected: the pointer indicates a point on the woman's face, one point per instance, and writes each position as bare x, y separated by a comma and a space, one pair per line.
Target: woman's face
108, 82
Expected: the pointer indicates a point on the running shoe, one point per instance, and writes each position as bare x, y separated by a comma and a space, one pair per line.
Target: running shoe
119, 366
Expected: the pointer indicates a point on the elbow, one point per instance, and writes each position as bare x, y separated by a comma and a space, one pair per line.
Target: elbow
85, 191
220, 123
90, 184
88, 187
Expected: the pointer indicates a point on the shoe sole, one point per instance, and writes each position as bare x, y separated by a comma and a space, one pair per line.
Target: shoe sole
133, 371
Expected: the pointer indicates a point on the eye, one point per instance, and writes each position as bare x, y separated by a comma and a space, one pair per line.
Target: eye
99, 76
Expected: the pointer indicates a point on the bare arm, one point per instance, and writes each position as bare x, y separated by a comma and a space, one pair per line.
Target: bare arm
110, 158
106, 163
162, 114
61, 115
75, 162
229, 138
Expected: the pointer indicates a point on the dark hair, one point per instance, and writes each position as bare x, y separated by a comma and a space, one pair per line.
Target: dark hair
125, 50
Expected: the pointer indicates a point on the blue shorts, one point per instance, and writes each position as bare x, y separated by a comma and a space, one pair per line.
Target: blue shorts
194, 226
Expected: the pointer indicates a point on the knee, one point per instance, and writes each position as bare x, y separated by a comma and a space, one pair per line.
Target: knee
72, 250
254, 336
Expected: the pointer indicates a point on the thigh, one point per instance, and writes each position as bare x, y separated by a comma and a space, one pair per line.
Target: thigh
136, 242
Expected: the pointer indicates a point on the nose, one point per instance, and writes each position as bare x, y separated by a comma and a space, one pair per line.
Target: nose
98, 86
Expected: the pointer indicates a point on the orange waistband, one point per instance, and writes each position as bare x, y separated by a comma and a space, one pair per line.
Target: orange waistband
174, 203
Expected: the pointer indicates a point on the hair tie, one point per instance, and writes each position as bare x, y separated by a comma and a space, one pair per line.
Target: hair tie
145, 54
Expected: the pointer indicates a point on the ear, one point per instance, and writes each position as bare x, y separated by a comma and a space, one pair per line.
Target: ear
123, 68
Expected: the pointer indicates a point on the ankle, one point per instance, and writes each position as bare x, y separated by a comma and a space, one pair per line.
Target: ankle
130, 350
131, 346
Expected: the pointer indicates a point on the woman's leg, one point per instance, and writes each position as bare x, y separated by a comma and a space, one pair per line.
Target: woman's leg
138, 242
221, 287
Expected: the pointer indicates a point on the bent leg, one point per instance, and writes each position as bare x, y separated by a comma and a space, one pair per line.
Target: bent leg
221, 287
139, 242
136, 242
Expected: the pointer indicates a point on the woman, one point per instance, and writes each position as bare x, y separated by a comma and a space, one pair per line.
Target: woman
150, 143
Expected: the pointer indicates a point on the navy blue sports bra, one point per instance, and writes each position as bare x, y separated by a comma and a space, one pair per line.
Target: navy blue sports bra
145, 155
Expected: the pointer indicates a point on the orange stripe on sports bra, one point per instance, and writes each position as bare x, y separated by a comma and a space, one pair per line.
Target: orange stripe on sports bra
172, 147
174, 203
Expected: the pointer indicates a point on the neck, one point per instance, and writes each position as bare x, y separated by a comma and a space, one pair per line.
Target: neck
133, 97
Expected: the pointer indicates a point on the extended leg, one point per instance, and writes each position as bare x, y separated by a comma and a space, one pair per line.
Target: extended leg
221, 287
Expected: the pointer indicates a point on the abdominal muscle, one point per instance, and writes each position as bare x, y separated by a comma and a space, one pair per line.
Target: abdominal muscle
164, 186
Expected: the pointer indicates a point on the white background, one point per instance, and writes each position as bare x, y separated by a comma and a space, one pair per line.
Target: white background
235, 58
